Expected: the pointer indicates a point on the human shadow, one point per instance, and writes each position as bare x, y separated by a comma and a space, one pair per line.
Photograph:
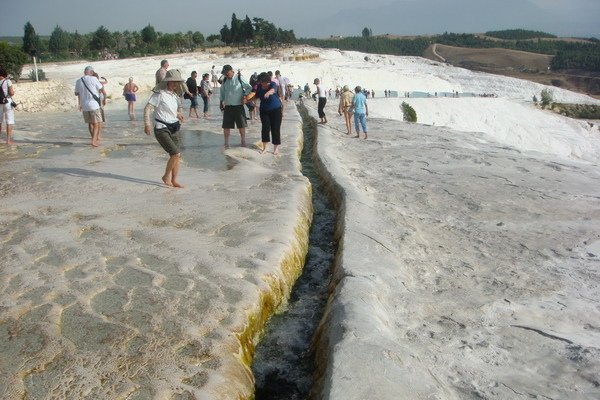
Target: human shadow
84, 173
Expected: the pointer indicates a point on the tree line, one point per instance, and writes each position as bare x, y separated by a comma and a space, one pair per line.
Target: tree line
519, 34
257, 32
568, 55
99, 44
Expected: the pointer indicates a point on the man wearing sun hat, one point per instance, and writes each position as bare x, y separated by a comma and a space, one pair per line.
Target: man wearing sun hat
165, 105
232, 101
88, 89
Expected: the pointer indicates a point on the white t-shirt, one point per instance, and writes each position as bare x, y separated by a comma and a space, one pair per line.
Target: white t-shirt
322, 91
166, 105
6, 84
86, 99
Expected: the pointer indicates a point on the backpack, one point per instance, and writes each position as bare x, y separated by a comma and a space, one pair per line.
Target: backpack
3, 97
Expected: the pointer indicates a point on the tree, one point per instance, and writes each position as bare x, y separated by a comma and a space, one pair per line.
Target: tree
226, 34
77, 43
212, 38
247, 34
167, 42
236, 29
149, 35
101, 39
31, 41
546, 97
59, 41
12, 58
366, 32
409, 113
197, 39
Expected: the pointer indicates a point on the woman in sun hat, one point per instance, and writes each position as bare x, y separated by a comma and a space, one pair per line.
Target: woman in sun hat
166, 106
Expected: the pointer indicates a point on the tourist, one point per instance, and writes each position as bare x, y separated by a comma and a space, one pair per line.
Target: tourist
7, 113
361, 111
103, 81
345, 106
192, 94
205, 93
322, 94
165, 105
231, 103
162, 71
88, 90
214, 77
271, 112
129, 91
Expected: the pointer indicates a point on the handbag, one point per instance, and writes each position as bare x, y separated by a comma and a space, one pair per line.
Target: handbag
93, 95
173, 127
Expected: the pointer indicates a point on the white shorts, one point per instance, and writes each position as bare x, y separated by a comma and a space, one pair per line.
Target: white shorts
7, 114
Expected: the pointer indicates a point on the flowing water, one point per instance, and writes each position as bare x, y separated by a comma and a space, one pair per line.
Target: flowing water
283, 363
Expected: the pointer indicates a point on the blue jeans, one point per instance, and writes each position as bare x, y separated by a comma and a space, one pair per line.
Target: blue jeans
205, 100
362, 118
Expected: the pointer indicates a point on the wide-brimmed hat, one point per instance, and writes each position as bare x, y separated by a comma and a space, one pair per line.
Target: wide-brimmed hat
173, 75
226, 68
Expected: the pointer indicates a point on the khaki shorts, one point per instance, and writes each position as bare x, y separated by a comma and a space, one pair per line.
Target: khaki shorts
170, 142
92, 117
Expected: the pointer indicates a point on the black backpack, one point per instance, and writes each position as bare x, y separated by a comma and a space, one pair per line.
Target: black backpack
3, 98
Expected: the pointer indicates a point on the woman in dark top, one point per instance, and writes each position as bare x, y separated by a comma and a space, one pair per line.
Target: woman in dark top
271, 112
192, 87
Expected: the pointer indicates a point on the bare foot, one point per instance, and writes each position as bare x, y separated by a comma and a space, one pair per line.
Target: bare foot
95, 144
225, 147
167, 181
262, 151
10, 142
365, 135
243, 144
357, 136
177, 185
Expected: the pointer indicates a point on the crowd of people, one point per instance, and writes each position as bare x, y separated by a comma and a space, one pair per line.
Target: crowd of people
240, 100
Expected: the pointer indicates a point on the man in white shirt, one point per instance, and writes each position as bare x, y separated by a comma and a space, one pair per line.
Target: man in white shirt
88, 89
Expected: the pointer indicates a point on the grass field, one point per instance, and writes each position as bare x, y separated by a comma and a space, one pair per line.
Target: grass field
517, 64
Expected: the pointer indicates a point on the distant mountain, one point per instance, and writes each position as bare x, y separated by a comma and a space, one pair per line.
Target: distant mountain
438, 16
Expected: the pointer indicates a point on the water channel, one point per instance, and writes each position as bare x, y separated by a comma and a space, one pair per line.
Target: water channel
283, 362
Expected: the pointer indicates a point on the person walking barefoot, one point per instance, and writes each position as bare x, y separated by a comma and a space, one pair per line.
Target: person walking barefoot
271, 112
345, 108
129, 92
361, 111
165, 105
7, 113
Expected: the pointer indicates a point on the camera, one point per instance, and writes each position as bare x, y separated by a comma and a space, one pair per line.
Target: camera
13, 104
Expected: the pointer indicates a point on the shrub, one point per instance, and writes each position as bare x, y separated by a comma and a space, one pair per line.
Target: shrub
12, 58
547, 97
410, 115
41, 75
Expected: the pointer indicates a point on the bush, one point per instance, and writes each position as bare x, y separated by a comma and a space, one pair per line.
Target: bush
41, 75
12, 58
410, 115
547, 97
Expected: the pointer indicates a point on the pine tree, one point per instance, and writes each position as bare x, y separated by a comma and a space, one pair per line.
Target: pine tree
31, 41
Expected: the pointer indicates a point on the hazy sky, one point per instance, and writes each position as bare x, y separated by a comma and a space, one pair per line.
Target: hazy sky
308, 18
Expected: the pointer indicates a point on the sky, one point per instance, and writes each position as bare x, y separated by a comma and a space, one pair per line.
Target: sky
308, 18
